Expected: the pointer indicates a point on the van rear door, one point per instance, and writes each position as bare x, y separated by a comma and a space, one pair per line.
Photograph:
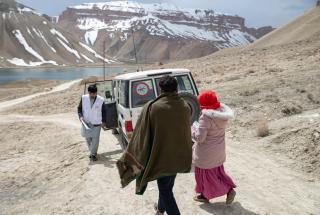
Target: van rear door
141, 92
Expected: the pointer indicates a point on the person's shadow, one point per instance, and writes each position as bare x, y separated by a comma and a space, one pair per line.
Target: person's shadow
105, 159
220, 208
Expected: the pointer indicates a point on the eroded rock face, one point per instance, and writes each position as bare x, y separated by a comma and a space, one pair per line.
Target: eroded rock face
187, 33
260, 32
29, 39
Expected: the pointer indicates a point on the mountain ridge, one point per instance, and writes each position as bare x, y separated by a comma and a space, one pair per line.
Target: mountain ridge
29, 39
180, 30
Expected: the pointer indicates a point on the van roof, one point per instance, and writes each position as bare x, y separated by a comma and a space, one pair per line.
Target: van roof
144, 74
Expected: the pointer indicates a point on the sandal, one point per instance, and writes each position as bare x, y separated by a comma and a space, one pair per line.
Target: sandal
201, 198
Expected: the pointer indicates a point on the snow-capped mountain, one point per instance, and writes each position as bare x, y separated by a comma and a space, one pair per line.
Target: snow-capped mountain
28, 38
161, 30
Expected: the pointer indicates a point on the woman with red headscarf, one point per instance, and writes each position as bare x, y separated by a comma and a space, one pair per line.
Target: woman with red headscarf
209, 151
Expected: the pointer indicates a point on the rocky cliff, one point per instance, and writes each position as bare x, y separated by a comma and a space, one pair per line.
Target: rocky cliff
161, 31
28, 38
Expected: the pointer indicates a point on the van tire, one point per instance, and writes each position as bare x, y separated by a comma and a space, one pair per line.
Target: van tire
115, 131
192, 101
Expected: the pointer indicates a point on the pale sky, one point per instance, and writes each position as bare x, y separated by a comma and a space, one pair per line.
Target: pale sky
257, 13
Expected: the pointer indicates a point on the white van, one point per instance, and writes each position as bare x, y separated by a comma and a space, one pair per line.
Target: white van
126, 94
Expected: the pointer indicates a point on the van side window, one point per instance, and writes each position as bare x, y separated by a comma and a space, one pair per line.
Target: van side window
123, 94
142, 92
115, 91
184, 84
117, 85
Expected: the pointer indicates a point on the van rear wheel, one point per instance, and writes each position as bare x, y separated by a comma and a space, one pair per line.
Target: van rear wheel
115, 131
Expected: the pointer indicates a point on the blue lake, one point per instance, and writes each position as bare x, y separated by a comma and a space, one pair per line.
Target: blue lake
9, 75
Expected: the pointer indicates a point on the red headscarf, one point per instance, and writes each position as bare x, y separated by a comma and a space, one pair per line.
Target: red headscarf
208, 100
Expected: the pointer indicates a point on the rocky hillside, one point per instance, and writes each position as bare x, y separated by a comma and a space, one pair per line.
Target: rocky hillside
161, 31
28, 38
303, 28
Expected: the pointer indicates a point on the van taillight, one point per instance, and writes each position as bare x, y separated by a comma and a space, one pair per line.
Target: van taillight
128, 126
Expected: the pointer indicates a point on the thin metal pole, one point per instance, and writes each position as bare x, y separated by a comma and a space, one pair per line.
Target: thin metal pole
134, 47
104, 60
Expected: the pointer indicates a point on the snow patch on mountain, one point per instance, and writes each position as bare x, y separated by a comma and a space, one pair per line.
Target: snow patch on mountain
71, 50
29, 49
87, 59
95, 53
237, 37
157, 27
195, 24
184, 31
135, 7
91, 36
55, 32
21, 62
90, 23
28, 10
45, 40
36, 32
29, 32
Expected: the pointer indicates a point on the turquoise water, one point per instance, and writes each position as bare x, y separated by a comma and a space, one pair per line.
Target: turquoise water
9, 75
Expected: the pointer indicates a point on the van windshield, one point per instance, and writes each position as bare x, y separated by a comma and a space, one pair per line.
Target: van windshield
142, 92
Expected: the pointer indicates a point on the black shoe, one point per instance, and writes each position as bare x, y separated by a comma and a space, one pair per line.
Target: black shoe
155, 207
93, 158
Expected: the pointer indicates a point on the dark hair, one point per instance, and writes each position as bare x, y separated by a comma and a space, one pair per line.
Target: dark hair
92, 88
168, 84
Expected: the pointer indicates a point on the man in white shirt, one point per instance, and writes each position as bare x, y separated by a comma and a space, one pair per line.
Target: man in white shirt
91, 111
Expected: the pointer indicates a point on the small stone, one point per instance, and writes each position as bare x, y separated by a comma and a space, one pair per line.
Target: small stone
315, 136
313, 161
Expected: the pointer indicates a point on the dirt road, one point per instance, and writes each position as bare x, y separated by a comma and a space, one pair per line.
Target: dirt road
10, 103
44, 169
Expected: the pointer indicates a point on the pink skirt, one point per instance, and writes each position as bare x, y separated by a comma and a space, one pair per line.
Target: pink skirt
212, 183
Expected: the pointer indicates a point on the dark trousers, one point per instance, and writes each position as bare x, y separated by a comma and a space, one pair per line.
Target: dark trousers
167, 202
